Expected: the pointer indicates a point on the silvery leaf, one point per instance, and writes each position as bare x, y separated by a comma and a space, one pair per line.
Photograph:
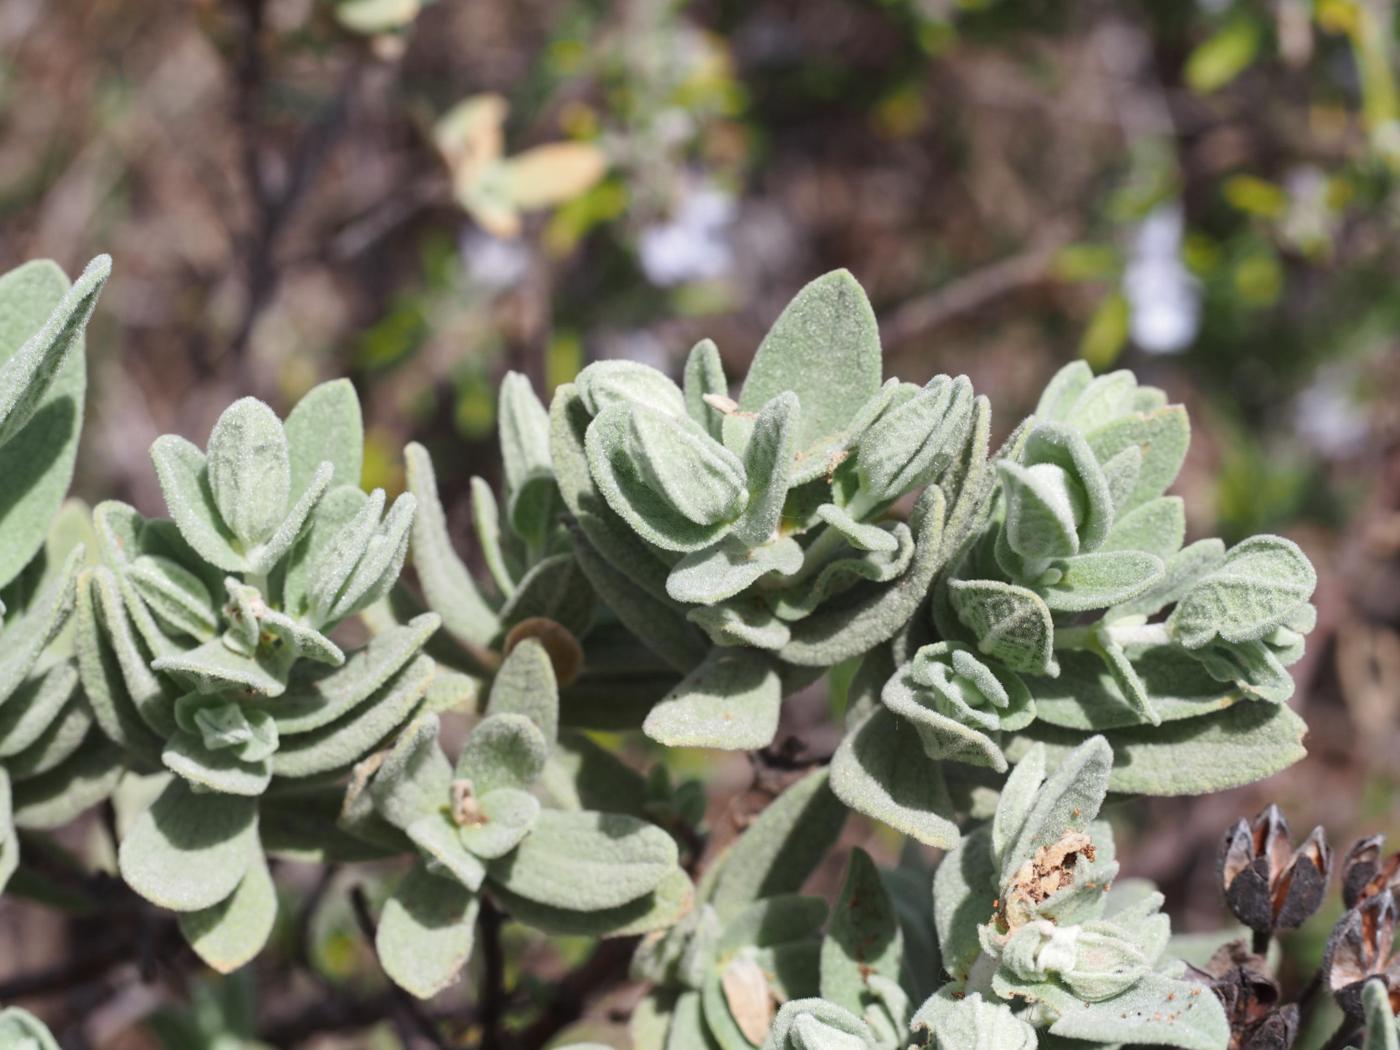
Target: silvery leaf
586, 861
825, 348
732, 701
249, 470
426, 932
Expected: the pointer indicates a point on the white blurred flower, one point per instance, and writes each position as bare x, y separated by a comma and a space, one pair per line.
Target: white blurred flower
1327, 416
694, 244
493, 263
1164, 299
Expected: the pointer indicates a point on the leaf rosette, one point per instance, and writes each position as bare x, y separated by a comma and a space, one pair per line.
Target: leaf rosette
1028, 915
751, 542
478, 827
204, 645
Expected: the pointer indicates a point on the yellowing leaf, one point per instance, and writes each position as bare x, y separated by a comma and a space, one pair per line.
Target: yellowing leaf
1107, 332
470, 137
1255, 196
553, 173
1222, 57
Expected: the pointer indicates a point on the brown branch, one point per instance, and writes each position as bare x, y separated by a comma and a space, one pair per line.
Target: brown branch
491, 1001
975, 290
604, 968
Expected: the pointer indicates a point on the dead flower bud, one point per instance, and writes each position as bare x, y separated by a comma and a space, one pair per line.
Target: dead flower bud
1362, 948
1268, 885
1365, 873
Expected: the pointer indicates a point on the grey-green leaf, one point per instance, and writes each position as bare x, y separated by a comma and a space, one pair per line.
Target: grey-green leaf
189, 851
426, 931
781, 848
732, 701
249, 469
326, 426
825, 347
587, 861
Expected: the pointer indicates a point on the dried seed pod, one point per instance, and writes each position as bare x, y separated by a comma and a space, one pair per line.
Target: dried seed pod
1361, 948
1268, 885
1277, 1031
1365, 873
1241, 980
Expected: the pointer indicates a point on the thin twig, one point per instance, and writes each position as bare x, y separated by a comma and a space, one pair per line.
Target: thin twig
605, 967
975, 290
492, 998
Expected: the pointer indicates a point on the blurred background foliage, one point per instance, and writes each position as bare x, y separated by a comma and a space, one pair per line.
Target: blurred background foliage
422, 195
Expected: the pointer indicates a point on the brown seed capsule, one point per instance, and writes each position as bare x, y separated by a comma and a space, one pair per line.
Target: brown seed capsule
1247, 990
1268, 884
1365, 873
1362, 948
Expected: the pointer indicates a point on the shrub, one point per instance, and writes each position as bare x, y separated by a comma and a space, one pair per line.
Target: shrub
1024, 633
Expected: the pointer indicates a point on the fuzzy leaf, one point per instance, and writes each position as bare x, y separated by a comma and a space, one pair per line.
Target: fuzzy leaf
507, 816
26, 639
249, 470
1260, 583
1101, 579
665, 476
426, 932
730, 701
1156, 1010
42, 381
863, 938
504, 751
1193, 756
309, 705
34, 706
326, 426
182, 471
57, 797
825, 347
449, 587
531, 494
415, 777
1381, 1030
605, 383
712, 575
881, 770
23, 1031
660, 909
1009, 622
557, 589
190, 851
704, 375
655, 621
964, 898
340, 744
1162, 435
911, 445
230, 933
525, 685
587, 861
876, 613
782, 847
767, 463
1090, 695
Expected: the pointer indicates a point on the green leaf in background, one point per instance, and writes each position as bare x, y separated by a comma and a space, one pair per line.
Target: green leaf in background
1222, 56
